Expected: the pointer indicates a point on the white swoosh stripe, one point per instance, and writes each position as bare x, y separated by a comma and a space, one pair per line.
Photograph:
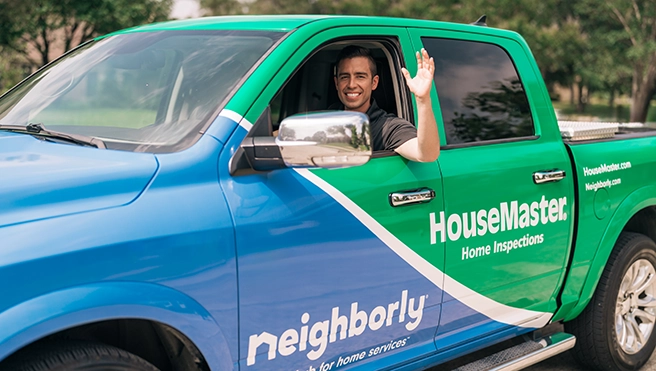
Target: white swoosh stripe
480, 303
234, 116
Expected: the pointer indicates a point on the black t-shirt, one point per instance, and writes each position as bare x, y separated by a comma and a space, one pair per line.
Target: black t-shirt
388, 132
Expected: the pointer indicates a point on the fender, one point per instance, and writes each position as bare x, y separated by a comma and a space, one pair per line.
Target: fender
636, 201
31, 320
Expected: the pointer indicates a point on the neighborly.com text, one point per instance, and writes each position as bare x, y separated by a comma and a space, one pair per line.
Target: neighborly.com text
602, 184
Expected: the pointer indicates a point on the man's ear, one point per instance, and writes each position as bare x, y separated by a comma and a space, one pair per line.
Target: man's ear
374, 84
335, 80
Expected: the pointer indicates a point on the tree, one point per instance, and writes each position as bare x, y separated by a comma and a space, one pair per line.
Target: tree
549, 26
599, 46
40, 26
222, 7
12, 64
628, 30
355, 140
13, 68
10, 28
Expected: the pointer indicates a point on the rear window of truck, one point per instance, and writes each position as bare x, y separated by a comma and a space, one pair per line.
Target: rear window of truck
481, 95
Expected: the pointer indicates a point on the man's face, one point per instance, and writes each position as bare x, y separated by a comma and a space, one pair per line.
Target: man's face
355, 83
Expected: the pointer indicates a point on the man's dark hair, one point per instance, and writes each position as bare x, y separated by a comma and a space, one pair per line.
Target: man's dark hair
354, 51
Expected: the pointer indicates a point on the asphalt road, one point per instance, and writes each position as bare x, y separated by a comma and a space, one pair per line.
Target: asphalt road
565, 362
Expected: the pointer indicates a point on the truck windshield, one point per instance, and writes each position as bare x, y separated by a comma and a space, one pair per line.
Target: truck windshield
145, 92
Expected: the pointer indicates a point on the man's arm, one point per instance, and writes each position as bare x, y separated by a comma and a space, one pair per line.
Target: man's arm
426, 147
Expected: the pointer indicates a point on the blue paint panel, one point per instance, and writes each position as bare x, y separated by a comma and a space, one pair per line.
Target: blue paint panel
460, 324
160, 245
301, 255
221, 128
177, 233
85, 304
42, 179
300, 252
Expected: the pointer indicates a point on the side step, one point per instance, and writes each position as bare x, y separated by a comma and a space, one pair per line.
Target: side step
523, 355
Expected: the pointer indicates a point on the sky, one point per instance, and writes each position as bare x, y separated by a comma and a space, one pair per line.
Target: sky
185, 9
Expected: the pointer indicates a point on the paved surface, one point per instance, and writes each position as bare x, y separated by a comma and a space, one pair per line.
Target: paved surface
565, 362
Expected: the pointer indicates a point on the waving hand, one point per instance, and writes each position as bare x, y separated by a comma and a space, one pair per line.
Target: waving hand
420, 85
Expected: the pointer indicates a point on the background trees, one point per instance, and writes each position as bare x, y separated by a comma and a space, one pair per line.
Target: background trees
32, 32
627, 29
601, 48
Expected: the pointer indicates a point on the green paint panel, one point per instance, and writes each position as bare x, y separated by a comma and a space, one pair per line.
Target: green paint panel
476, 178
291, 53
369, 187
317, 22
495, 182
623, 172
488, 177
258, 23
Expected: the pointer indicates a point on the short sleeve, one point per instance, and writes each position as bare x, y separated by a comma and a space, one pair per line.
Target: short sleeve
397, 131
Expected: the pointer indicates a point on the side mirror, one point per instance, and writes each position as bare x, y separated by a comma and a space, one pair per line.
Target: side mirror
326, 139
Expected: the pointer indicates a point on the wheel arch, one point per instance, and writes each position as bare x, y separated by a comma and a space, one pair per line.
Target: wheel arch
607, 329
77, 307
631, 211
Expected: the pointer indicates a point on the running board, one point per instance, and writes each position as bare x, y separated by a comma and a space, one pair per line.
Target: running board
523, 355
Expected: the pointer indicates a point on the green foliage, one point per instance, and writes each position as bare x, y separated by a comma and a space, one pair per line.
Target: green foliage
222, 7
34, 28
10, 29
618, 113
355, 139
13, 68
604, 45
608, 46
625, 31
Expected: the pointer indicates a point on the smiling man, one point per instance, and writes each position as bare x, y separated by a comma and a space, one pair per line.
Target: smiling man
356, 78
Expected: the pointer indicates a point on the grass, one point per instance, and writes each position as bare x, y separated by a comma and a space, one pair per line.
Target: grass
122, 118
601, 112
136, 119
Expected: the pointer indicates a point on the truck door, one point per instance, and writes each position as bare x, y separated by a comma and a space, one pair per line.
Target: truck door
331, 274
508, 188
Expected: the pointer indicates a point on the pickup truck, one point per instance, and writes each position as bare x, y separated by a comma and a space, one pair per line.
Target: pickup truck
177, 196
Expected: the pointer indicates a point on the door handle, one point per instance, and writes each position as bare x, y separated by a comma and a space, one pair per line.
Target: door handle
540, 177
415, 196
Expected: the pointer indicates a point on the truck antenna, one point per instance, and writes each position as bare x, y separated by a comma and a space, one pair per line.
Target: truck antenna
481, 21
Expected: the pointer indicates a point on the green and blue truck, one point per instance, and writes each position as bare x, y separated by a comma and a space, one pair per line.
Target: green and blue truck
176, 197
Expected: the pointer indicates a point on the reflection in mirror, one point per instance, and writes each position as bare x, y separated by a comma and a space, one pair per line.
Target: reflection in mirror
325, 139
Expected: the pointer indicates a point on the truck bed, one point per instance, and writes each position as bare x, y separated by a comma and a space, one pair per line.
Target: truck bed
587, 131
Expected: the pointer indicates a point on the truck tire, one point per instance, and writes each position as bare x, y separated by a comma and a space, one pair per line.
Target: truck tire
76, 356
616, 330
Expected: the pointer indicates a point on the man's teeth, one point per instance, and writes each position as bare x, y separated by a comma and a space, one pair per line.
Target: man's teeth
353, 94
